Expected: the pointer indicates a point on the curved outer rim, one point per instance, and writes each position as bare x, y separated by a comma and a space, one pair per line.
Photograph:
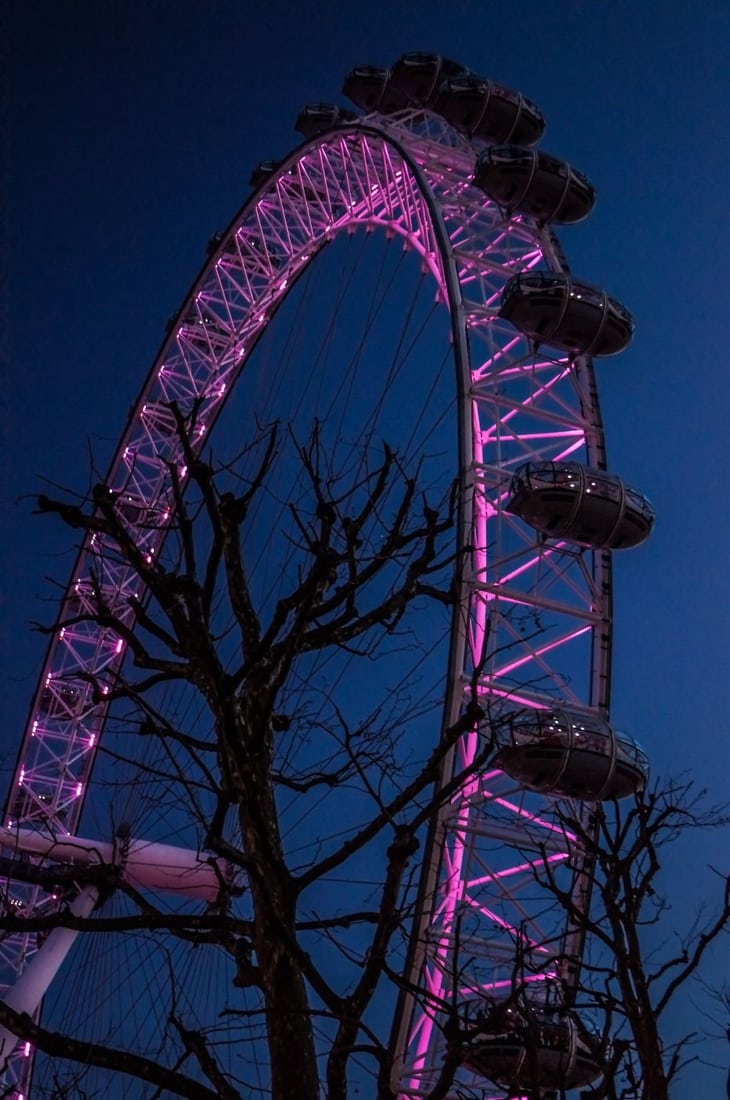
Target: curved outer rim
419, 153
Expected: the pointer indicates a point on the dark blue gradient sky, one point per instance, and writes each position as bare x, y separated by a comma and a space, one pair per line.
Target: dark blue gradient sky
132, 128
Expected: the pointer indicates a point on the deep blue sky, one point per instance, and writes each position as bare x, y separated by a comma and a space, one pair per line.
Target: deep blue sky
133, 125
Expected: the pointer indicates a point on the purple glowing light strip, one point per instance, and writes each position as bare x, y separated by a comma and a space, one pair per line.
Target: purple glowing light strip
556, 444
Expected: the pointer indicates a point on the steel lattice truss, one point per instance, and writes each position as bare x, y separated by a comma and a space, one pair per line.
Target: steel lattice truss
534, 619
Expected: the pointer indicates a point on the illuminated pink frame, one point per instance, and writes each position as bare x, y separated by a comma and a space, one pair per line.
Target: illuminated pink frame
410, 174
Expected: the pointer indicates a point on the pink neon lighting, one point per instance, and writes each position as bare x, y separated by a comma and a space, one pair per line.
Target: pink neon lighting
537, 560
535, 820
500, 922
378, 200
505, 437
478, 373
453, 892
568, 451
490, 987
468, 746
540, 392
541, 650
455, 861
518, 869
490, 689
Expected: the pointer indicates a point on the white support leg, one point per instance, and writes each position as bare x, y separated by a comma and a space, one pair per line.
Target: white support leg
30, 988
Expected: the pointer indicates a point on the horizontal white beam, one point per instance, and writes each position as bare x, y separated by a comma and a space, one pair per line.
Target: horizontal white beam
142, 864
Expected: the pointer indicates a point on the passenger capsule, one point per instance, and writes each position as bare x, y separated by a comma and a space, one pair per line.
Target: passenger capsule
370, 88
417, 76
566, 500
530, 1047
531, 182
570, 755
213, 242
263, 172
483, 109
316, 118
552, 308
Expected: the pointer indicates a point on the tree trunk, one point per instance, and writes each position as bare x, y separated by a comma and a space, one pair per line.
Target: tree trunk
290, 1034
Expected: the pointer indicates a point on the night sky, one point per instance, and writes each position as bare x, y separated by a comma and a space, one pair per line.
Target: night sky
132, 128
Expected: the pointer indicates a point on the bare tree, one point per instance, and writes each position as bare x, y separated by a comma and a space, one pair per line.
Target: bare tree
261, 766
265, 601
635, 965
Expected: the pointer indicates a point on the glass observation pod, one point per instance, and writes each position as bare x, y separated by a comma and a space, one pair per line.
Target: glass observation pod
527, 1047
552, 308
370, 88
212, 243
566, 500
263, 172
315, 118
483, 109
570, 755
531, 182
418, 76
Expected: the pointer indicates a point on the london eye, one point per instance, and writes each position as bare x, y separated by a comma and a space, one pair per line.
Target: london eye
397, 279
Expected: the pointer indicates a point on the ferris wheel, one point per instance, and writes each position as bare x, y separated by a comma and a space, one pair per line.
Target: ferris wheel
393, 286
